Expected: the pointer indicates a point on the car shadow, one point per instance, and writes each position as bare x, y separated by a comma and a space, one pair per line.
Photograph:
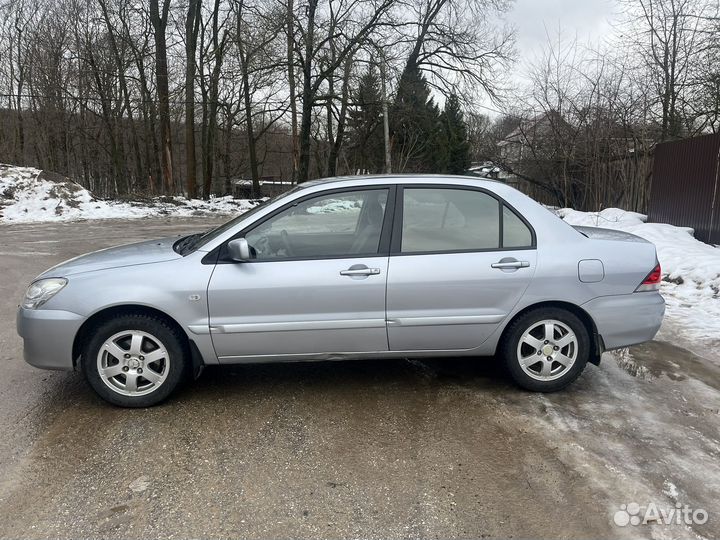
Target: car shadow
352, 374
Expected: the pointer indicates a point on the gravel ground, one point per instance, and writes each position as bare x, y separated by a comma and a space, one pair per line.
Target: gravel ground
377, 449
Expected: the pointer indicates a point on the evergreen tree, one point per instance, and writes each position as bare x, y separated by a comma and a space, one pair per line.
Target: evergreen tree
415, 125
365, 125
456, 147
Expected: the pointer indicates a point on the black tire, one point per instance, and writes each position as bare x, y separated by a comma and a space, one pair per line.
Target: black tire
514, 333
170, 337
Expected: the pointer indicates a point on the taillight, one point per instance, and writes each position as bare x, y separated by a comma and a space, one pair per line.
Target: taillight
652, 281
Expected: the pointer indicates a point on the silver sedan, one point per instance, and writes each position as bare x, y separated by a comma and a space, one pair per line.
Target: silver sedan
362, 267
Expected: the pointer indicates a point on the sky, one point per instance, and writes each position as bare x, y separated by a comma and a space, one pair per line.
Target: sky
587, 21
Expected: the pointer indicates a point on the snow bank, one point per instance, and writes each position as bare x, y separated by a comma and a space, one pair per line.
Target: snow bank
29, 195
691, 269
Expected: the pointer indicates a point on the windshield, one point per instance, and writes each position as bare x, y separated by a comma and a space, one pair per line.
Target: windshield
195, 241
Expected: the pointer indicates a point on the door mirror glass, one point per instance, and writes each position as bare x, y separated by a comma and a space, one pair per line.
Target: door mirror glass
239, 250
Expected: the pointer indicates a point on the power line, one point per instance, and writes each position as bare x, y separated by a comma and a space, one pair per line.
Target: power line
175, 102
99, 100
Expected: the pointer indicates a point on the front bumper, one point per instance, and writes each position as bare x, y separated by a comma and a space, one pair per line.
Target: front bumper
627, 319
48, 336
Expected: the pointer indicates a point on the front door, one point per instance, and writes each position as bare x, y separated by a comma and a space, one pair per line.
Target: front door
462, 261
316, 284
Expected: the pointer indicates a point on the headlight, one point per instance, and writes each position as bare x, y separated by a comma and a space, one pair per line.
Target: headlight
41, 291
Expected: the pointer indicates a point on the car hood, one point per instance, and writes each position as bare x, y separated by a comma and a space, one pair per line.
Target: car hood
150, 251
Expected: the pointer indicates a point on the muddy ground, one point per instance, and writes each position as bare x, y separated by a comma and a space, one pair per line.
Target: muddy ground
382, 449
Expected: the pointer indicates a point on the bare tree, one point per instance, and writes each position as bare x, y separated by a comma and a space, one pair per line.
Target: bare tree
121, 63
212, 57
290, 35
159, 20
579, 138
319, 60
340, 116
192, 26
260, 59
455, 42
668, 36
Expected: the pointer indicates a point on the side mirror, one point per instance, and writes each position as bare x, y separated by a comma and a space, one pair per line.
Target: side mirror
239, 250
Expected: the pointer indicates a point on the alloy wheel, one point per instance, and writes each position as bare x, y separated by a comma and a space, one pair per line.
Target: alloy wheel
547, 350
133, 363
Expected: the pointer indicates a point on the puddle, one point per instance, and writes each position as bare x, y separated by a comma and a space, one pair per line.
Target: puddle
625, 360
660, 359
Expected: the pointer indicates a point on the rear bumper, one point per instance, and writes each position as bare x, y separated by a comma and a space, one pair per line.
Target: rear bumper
627, 319
48, 336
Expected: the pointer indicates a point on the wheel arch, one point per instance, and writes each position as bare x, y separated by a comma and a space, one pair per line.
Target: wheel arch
111, 312
595, 338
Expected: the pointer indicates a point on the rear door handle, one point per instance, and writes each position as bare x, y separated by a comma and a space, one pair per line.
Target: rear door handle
360, 272
510, 264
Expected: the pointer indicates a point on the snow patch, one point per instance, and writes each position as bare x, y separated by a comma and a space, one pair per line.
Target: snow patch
140, 484
670, 490
29, 195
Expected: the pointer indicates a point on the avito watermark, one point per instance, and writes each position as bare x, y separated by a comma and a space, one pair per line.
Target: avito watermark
680, 514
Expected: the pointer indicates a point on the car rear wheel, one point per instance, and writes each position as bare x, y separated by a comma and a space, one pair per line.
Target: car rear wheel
134, 360
546, 349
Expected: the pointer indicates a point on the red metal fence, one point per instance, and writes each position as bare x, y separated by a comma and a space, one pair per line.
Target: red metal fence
685, 188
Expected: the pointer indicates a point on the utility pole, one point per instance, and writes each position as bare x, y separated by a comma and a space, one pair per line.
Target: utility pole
386, 120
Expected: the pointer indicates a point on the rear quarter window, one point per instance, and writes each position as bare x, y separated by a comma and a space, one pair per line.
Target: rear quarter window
515, 233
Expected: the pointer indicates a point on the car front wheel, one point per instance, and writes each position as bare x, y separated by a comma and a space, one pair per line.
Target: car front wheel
134, 360
546, 349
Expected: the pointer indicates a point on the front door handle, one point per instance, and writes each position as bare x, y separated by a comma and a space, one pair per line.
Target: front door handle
360, 271
503, 264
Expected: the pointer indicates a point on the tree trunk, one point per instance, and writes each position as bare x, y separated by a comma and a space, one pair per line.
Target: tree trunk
252, 150
330, 168
149, 112
342, 117
212, 106
308, 96
20, 156
159, 24
192, 25
244, 54
386, 119
211, 133
293, 96
124, 90
228, 187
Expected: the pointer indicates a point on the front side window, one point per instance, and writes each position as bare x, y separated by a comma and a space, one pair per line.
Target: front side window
332, 225
437, 219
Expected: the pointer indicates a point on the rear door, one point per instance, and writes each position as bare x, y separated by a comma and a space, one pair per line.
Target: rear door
460, 261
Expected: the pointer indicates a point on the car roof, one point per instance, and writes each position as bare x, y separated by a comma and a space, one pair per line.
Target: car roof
401, 179
534, 212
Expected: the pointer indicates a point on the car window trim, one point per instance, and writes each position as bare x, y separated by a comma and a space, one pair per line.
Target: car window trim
217, 255
396, 239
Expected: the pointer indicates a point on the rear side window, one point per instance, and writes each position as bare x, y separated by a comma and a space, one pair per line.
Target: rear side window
446, 219
436, 219
515, 233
